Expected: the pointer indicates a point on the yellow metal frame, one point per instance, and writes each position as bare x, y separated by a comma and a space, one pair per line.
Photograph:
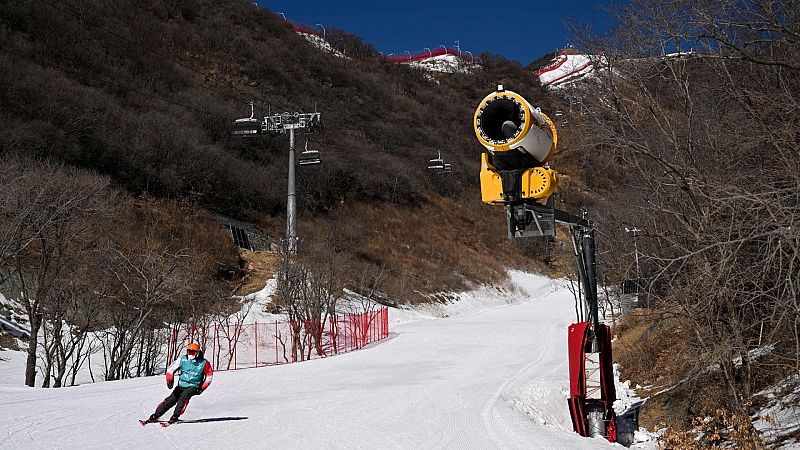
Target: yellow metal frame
525, 127
491, 184
538, 183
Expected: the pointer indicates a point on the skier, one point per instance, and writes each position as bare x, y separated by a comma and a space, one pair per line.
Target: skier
195, 377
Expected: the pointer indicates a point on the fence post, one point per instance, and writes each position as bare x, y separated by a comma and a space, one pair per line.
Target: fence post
169, 348
332, 339
255, 332
276, 342
361, 330
235, 346
294, 340
344, 330
350, 326
172, 345
216, 347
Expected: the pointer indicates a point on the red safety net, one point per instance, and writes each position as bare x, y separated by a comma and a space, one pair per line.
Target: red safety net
423, 55
233, 346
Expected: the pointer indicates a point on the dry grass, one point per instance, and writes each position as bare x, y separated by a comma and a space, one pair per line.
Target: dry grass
8, 342
259, 267
445, 244
651, 350
716, 429
654, 350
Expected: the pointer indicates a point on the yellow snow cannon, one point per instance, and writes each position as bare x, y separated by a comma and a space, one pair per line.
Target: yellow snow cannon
519, 140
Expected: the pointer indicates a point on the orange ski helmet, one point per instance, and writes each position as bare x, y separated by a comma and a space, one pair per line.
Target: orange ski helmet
193, 346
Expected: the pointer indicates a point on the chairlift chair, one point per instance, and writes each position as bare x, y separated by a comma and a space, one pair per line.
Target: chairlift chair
446, 168
247, 127
308, 157
437, 163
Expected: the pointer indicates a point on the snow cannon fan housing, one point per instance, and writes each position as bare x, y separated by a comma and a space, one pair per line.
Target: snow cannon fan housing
519, 140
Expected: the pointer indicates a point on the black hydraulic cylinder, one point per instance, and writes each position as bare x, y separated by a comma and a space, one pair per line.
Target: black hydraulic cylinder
590, 268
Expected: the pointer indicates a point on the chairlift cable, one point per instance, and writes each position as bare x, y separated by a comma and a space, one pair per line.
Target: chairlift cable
186, 66
127, 88
172, 102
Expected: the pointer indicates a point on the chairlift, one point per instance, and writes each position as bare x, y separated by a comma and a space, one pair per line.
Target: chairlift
446, 168
247, 127
308, 157
437, 163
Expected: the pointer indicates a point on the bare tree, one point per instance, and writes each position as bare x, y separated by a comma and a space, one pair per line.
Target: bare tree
149, 275
308, 290
48, 213
699, 106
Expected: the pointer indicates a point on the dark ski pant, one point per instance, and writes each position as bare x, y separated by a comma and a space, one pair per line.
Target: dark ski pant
179, 398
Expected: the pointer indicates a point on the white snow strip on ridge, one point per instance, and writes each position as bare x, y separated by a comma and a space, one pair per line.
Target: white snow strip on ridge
322, 44
567, 68
452, 382
443, 63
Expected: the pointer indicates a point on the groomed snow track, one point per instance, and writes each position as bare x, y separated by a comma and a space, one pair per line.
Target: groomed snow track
493, 376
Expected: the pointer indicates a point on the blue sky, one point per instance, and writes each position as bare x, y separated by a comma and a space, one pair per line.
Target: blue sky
522, 31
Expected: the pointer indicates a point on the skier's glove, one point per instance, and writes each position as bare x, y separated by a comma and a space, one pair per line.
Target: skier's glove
170, 383
199, 391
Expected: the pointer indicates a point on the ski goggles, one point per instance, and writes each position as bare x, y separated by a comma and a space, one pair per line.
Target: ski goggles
191, 352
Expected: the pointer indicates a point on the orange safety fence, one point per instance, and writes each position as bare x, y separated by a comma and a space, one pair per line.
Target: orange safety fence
231, 346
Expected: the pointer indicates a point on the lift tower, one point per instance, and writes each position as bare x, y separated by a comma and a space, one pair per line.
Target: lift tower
284, 123
520, 140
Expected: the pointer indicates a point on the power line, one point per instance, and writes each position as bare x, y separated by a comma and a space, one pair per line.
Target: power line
331, 143
130, 41
127, 88
378, 149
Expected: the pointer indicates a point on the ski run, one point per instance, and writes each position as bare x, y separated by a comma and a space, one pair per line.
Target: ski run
488, 371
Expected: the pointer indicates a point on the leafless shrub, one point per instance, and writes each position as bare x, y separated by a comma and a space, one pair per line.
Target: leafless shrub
49, 218
708, 142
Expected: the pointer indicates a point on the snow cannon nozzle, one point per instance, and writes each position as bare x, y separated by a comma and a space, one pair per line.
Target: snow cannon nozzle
519, 140
505, 121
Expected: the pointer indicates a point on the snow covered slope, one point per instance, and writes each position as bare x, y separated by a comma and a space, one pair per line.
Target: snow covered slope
567, 67
447, 63
492, 376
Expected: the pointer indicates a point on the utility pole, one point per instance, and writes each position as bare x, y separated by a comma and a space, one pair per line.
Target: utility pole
634, 231
281, 124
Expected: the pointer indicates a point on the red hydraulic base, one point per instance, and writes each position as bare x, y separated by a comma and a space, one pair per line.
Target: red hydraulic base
579, 405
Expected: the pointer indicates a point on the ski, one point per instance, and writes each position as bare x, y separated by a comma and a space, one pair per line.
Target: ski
166, 424
144, 422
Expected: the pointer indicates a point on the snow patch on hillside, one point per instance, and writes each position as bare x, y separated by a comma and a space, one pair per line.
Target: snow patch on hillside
322, 44
11, 319
780, 416
444, 63
566, 68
